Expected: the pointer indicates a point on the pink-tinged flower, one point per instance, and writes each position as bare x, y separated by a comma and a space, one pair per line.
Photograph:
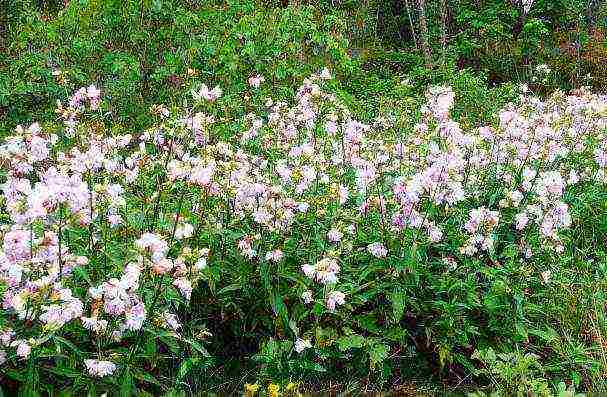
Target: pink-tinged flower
343, 194
114, 219
98, 368
202, 175
601, 157
78, 98
521, 220
55, 316
205, 93
163, 266
184, 286
486, 133
17, 244
378, 250
440, 101
324, 271
302, 344
246, 248
274, 256
256, 81
134, 317
93, 94
23, 348
308, 270
573, 178
506, 116
334, 299
481, 218
171, 321
154, 244
334, 235
6, 336
331, 127
435, 234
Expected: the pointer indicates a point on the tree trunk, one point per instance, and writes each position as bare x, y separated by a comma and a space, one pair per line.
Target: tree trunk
411, 26
444, 10
423, 31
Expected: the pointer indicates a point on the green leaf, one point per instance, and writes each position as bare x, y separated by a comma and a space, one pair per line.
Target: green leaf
377, 354
67, 372
350, 341
186, 366
197, 346
398, 304
368, 322
311, 366
281, 309
146, 377
69, 344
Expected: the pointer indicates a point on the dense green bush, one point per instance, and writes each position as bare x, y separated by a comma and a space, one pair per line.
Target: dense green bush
143, 53
140, 52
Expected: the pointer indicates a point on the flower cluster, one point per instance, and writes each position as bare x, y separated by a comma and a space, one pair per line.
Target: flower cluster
107, 236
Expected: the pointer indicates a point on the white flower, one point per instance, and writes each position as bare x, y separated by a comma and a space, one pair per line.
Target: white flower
324, 271
526, 5
307, 296
23, 349
171, 320
201, 263
99, 368
325, 74
255, 81
546, 276
184, 230
334, 235
302, 344
274, 256
335, 298
378, 250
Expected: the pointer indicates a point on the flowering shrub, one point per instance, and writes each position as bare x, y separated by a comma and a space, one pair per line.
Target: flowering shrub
126, 256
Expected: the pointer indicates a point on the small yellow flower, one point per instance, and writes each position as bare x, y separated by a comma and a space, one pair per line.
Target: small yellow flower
291, 386
251, 389
273, 390
296, 174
